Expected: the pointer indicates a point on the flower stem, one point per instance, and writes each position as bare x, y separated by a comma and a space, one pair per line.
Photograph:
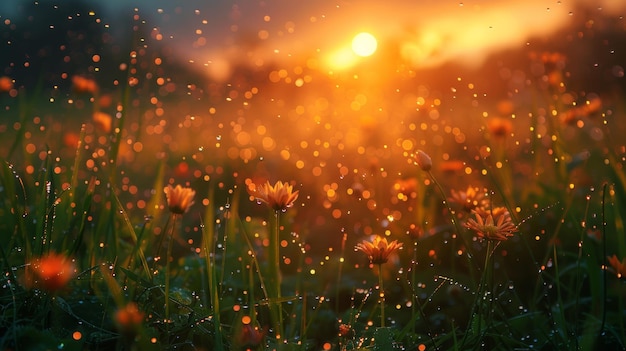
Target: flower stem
168, 272
208, 240
486, 283
275, 303
456, 224
381, 294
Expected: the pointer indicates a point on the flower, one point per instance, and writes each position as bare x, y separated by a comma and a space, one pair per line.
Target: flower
103, 121
51, 272
84, 85
495, 212
619, 267
486, 227
424, 161
345, 330
249, 337
179, 199
406, 187
379, 249
128, 319
279, 197
6, 83
499, 127
468, 199
591, 107
415, 231
451, 166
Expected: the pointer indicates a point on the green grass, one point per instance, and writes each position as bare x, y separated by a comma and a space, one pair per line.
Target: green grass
209, 279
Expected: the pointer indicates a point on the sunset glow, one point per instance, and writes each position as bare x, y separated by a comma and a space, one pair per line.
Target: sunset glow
364, 44
314, 175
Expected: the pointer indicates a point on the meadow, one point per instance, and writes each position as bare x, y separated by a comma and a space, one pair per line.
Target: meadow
146, 206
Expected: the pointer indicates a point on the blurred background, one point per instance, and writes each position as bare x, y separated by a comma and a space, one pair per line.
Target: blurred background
333, 95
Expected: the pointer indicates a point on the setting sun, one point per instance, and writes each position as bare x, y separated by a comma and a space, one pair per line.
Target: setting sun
364, 44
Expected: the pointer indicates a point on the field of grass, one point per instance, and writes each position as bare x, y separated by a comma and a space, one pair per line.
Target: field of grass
144, 209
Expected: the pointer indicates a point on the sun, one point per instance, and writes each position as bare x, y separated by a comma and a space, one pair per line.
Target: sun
364, 44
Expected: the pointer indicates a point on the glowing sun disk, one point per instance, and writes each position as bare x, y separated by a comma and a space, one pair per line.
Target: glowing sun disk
364, 44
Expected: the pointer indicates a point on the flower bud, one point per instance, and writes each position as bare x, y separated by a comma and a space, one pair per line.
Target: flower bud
423, 160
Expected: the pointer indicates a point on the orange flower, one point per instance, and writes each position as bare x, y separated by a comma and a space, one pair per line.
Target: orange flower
84, 85
499, 127
379, 249
6, 83
452, 166
415, 231
279, 197
71, 139
591, 106
51, 272
128, 319
103, 121
495, 212
468, 199
405, 186
250, 337
619, 267
345, 330
179, 199
488, 228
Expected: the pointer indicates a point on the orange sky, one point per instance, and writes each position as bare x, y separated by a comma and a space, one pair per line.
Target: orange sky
424, 33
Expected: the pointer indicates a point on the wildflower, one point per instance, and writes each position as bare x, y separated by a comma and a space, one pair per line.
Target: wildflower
379, 249
468, 199
6, 83
486, 227
279, 197
588, 109
345, 330
618, 267
422, 160
84, 85
250, 337
51, 272
495, 212
499, 127
179, 199
103, 121
71, 139
416, 232
451, 166
128, 319
406, 187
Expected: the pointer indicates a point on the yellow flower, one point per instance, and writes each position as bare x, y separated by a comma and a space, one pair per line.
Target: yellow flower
179, 199
279, 197
379, 249
618, 266
487, 228
468, 199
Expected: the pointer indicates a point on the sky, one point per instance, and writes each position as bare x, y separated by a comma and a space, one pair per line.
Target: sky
423, 33
219, 34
